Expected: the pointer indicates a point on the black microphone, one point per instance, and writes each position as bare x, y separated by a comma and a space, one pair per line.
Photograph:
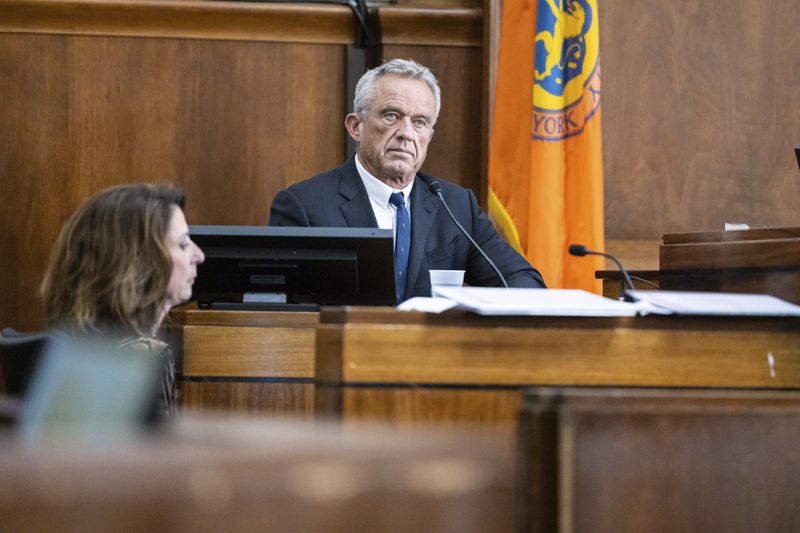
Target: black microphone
435, 187
580, 251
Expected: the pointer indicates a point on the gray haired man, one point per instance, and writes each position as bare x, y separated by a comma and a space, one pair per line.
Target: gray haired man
396, 106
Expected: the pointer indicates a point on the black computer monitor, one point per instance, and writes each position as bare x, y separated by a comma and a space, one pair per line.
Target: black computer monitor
266, 267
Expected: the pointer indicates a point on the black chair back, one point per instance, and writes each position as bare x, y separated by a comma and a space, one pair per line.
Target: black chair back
19, 354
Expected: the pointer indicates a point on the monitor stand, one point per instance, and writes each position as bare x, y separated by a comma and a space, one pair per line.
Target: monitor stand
260, 306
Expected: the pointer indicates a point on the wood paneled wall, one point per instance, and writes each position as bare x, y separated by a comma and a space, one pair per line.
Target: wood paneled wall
230, 101
234, 101
701, 110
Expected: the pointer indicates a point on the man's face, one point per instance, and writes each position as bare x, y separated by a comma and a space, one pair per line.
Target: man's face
393, 138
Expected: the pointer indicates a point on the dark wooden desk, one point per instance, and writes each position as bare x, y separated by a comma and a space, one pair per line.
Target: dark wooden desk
689, 460
246, 361
459, 368
765, 260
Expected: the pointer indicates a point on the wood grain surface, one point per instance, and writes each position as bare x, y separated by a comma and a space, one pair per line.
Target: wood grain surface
451, 26
190, 315
752, 234
489, 410
680, 460
303, 23
248, 352
459, 369
273, 399
743, 254
260, 362
700, 115
672, 356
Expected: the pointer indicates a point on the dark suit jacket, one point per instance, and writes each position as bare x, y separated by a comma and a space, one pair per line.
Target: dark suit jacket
337, 198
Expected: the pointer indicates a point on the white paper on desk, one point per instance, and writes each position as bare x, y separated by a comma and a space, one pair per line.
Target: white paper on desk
535, 302
426, 305
712, 303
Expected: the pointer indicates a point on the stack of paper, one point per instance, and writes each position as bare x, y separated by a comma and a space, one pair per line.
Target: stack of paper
538, 302
712, 303
573, 302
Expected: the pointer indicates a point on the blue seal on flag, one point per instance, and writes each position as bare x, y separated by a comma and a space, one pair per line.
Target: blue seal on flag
566, 89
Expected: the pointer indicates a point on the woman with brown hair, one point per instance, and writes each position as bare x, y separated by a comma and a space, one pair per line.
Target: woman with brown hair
121, 262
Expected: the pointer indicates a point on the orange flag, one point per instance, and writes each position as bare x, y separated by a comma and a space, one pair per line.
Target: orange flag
545, 153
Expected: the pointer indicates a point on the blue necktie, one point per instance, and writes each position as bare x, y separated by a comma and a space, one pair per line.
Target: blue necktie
402, 243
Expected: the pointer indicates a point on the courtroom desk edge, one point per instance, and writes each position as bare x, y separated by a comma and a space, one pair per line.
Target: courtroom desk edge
651, 398
457, 318
191, 315
731, 270
788, 232
755, 254
381, 345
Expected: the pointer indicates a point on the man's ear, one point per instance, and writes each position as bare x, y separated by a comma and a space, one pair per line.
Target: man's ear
353, 126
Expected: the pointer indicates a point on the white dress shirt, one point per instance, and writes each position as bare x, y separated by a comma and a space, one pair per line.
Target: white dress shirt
379, 192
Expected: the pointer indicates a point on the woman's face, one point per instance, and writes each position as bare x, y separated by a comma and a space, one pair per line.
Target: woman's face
185, 254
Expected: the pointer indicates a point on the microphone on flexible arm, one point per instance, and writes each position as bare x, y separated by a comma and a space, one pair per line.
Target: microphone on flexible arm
435, 187
580, 250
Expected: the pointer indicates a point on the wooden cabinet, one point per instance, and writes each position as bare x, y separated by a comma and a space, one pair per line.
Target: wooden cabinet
246, 361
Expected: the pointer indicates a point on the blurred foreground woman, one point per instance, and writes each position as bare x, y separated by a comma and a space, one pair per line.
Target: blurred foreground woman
121, 262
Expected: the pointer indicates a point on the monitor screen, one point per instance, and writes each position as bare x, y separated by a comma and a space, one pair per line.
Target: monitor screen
270, 267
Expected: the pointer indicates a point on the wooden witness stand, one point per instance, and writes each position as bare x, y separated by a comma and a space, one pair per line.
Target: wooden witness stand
454, 368
697, 416
458, 367
246, 361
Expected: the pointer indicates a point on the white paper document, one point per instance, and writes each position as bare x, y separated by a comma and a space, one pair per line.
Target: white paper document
712, 303
574, 302
427, 305
536, 302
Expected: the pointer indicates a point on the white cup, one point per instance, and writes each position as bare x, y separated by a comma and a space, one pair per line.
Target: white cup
446, 278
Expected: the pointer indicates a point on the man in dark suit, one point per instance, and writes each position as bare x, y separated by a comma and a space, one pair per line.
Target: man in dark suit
395, 108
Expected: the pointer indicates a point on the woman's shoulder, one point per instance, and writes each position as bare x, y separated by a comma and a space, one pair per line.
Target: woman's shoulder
143, 344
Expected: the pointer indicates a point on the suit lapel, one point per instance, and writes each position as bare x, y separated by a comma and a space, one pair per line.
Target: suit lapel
355, 208
424, 206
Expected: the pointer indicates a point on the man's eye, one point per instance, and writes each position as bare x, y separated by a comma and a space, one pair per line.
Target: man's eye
391, 116
420, 123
